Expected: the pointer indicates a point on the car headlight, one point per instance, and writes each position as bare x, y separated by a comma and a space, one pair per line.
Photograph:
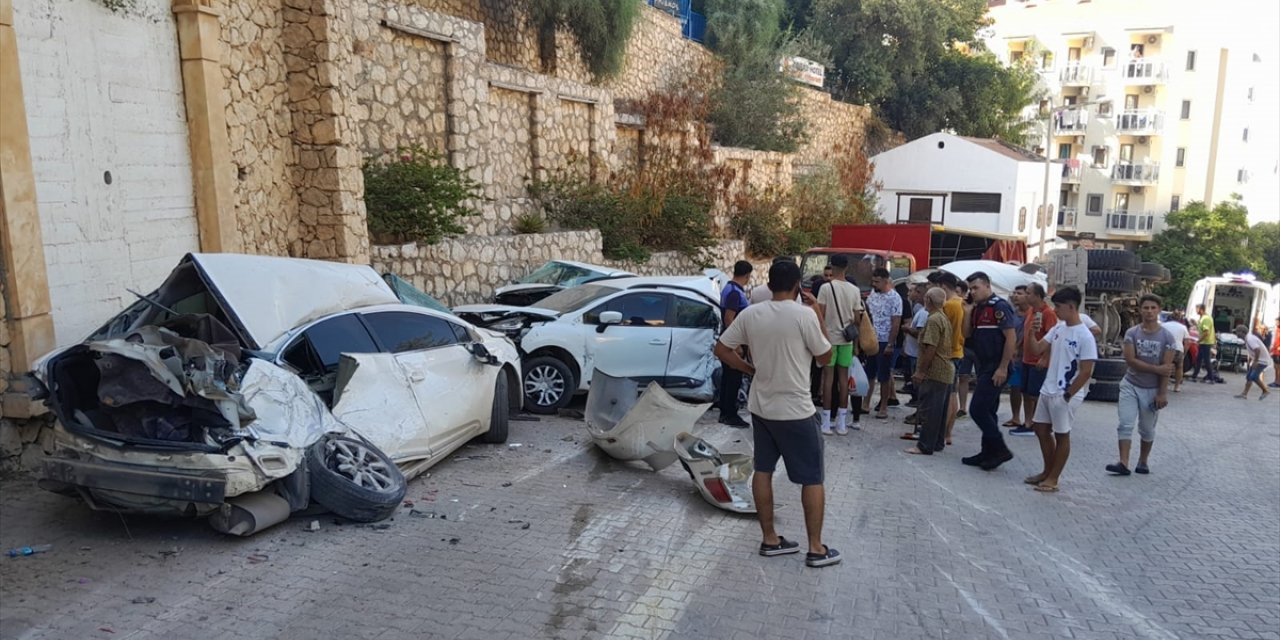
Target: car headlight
509, 325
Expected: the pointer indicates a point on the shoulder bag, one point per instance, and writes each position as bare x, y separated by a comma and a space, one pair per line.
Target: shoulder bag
849, 330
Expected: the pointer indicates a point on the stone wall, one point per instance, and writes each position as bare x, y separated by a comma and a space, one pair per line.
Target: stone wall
833, 126
657, 58
467, 270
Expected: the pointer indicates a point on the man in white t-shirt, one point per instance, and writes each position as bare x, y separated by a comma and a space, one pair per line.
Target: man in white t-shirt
1177, 327
1259, 359
839, 304
783, 338
1073, 352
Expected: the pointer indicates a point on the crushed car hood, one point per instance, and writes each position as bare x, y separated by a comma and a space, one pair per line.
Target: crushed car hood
527, 286
265, 296
492, 310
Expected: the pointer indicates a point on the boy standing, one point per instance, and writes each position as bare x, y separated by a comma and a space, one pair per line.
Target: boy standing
839, 304
1149, 351
1072, 354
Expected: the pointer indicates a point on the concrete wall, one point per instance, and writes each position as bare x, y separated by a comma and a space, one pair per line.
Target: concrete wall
104, 96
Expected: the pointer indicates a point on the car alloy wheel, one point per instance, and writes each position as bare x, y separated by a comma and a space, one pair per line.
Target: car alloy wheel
544, 385
362, 466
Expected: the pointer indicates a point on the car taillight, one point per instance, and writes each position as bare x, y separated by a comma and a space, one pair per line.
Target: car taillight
717, 489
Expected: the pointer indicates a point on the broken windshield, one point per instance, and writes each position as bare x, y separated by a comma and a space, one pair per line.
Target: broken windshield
575, 298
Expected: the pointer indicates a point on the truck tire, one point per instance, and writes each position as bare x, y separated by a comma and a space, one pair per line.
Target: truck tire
1104, 391
1150, 271
1113, 260
1109, 369
1112, 282
354, 479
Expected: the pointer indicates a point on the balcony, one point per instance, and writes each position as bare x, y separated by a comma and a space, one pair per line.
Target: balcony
1076, 74
1145, 71
1072, 171
1140, 122
1135, 174
1070, 122
1067, 218
1120, 221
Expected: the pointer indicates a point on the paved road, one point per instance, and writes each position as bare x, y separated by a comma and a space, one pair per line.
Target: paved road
933, 549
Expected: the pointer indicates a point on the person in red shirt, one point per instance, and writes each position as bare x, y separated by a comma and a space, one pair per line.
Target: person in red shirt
1275, 356
1034, 367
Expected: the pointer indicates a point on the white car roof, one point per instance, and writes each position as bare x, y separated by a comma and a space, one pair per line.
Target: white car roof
594, 267
700, 283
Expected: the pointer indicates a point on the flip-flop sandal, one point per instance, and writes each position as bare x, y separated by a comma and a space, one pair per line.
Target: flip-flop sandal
783, 548
1011, 423
1032, 480
908, 436
916, 451
1044, 488
882, 416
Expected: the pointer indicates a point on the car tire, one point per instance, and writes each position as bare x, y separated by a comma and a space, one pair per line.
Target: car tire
1104, 391
354, 479
1109, 369
548, 385
1113, 260
500, 414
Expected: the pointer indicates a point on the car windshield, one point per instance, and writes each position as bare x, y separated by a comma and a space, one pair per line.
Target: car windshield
575, 298
549, 273
410, 294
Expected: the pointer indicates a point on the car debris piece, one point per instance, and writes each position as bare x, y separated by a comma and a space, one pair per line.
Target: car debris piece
143, 600
314, 526
628, 425
722, 477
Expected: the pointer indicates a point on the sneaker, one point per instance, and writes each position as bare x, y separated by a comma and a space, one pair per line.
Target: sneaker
1022, 430
995, 460
1142, 468
975, 460
826, 431
1274, 385
823, 559
893, 402
1118, 469
842, 430
734, 420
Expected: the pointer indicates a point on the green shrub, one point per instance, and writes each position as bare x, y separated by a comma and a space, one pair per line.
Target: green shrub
529, 222
414, 195
601, 27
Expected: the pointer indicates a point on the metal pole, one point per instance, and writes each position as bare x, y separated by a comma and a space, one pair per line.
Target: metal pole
1043, 217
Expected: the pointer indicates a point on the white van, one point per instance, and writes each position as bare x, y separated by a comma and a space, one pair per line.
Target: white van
1235, 299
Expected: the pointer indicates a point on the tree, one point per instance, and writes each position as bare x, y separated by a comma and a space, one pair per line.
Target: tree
920, 64
1199, 242
754, 106
1264, 238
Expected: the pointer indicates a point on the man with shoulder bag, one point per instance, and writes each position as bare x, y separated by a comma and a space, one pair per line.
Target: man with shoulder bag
839, 308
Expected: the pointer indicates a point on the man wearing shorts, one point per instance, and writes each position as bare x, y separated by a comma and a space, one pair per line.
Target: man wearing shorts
783, 338
1177, 328
1020, 427
1034, 366
839, 304
1258, 361
1072, 353
1149, 351
885, 306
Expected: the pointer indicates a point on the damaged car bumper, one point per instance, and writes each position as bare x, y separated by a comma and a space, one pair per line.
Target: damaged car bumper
629, 425
723, 477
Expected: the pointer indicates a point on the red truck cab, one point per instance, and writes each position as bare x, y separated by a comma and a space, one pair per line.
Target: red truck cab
862, 262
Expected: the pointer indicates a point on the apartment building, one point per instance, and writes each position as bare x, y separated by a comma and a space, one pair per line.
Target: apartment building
1150, 105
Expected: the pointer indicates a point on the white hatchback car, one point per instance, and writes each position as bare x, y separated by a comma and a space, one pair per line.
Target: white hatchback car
645, 328
247, 386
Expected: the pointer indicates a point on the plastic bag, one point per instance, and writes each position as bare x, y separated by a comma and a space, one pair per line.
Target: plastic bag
858, 384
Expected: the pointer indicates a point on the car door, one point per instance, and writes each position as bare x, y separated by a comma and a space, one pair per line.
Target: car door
638, 347
453, 389
365, 387
695, 326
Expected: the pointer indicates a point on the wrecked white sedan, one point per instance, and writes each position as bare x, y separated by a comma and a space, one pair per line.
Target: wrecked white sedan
246, 387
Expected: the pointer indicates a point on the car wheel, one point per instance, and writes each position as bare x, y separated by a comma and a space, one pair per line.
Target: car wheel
354, 479
548, 384
500, 413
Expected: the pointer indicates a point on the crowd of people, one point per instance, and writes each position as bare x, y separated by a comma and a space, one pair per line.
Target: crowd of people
800, 345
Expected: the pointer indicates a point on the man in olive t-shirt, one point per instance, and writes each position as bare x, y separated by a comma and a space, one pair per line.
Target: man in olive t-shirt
934, 375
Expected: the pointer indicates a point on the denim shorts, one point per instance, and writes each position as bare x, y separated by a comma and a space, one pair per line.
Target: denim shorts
1032, 380
1255, 373
880, 366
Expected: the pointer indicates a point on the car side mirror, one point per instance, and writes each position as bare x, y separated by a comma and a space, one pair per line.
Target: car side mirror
607, 318
481, 353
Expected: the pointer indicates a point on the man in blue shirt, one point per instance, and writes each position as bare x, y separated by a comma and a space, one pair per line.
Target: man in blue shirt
989, 334
733, 299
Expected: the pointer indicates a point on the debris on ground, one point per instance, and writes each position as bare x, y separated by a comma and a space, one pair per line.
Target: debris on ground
522, 523
143, 600
524, 417
506, 484
455, 540
422, 514
571, 413
408, 504
29, 551
514, 445
255, 558
567, 439
169, 553
314, 525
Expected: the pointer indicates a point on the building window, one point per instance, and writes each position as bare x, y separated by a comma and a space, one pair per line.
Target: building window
1175, 203
1191, 61
1186, 109
1093, 205
966, 202
1122, 203
1245, 136
1242, 176
1250, 94
1108, 57
1104, 109
1046, 60
1015, 56
1181, 158
1064, 151
1100, 156
1022, 219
